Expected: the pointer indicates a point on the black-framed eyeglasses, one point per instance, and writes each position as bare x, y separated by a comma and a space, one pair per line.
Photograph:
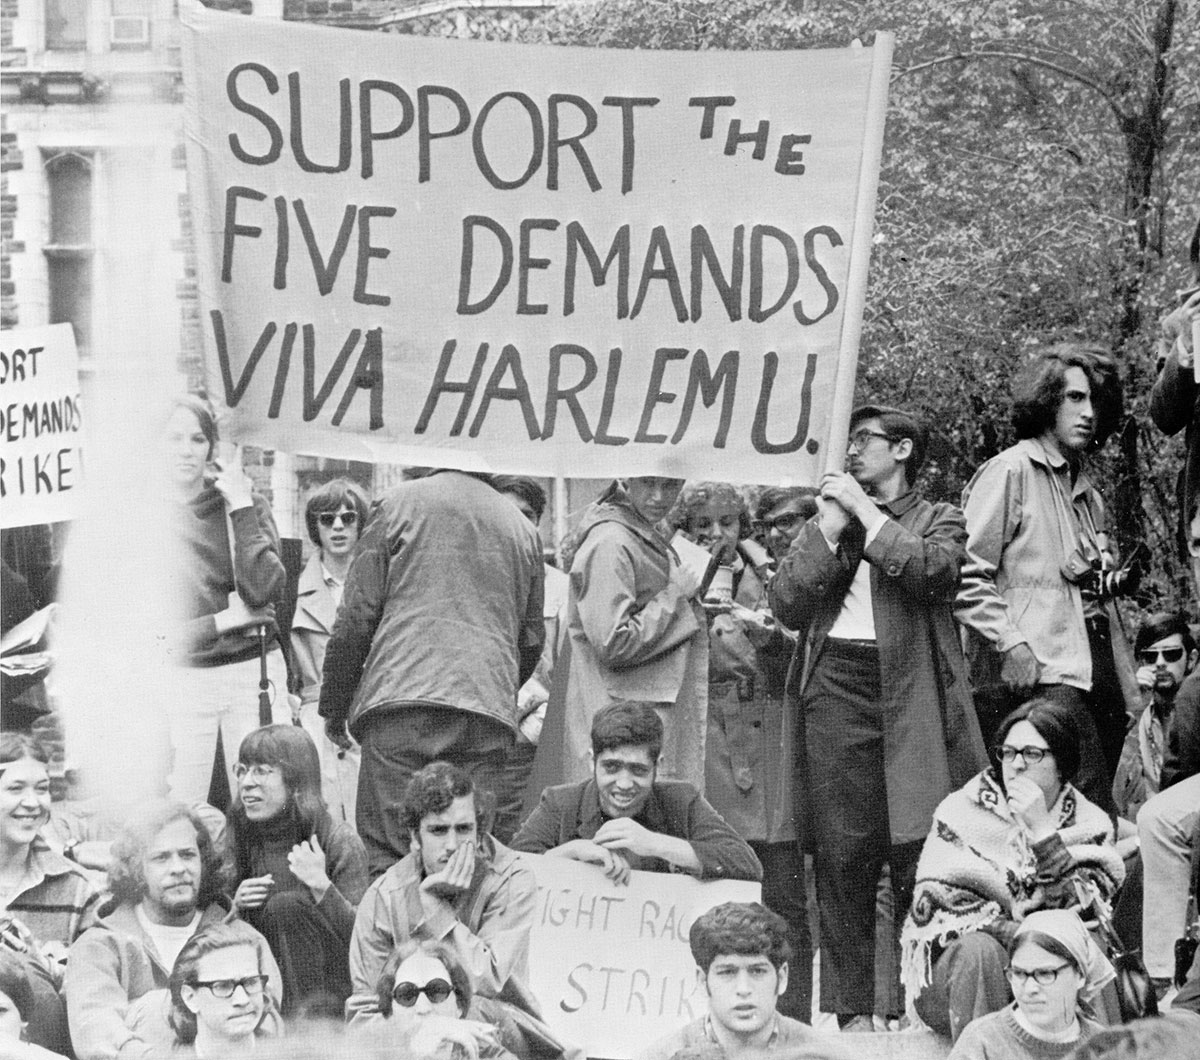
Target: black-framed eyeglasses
784, 522
327, 519
1031, 756
859, 440
1150, 656
437, 990
226, 988
1041, 976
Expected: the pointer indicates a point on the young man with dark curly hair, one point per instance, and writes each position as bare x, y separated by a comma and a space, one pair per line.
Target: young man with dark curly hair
742, 954
456, 884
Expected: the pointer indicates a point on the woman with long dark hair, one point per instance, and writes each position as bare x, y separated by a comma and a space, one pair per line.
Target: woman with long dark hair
298, 874
228, 579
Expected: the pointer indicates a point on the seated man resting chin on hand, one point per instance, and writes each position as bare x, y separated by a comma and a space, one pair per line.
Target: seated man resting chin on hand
625, 818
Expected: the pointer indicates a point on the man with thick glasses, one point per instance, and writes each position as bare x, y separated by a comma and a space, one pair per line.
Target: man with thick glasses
1039, 582
779, 514
1166, 654
166, 886
883, 685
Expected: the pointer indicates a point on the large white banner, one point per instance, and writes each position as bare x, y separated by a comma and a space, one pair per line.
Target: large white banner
554, 260
41, 425
611, 964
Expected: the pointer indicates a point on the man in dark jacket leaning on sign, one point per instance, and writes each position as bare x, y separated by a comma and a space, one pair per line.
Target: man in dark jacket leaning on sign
626, 818
890, 729
441, 623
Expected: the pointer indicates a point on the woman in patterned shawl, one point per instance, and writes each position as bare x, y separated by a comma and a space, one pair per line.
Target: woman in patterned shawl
1012, 840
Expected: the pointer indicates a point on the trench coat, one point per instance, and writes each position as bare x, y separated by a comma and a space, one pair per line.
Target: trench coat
750, 758
932, 743
634, 636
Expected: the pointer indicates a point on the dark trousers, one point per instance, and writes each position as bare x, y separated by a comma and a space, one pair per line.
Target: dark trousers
396, 744
968, 981
785, 891
1099, 713
843, 718
313, 959
510, 799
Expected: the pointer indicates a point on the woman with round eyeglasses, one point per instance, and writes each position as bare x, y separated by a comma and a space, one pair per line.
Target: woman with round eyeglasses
334, 517
219, 1000
1055, 969
425, 992
1008, 843
299, 874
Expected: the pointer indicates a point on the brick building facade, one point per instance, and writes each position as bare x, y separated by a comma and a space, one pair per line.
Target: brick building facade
94, 220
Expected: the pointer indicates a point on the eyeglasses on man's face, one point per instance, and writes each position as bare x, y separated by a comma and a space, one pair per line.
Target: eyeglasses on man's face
327, 519
1149, 656
257, 772
226, 988
785, 522
437, 990
1041, 976
859, 440
1031, 756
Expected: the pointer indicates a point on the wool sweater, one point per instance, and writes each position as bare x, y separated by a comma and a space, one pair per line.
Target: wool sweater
268, 846
998, 1036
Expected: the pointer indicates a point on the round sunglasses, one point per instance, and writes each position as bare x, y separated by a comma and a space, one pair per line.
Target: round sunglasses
437, 990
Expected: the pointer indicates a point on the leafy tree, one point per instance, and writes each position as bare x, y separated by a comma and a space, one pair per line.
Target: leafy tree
1040, 176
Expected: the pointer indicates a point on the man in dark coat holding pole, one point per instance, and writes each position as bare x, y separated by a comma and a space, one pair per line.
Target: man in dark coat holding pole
882, 683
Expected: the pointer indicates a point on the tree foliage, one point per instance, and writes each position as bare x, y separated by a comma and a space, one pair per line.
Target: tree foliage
1041, 175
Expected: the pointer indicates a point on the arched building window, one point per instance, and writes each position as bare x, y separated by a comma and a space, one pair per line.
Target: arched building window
70, 250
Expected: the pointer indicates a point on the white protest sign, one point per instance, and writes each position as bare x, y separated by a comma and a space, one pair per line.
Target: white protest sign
611, 964
530, 258
41, 423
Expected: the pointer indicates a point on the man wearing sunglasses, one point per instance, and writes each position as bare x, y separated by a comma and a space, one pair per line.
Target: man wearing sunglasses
334, 516
890, 729
1166, 654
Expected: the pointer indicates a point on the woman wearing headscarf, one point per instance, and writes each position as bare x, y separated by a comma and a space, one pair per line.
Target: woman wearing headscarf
1006, 844
1055, 968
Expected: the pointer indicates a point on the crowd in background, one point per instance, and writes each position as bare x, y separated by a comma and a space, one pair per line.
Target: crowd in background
923, 727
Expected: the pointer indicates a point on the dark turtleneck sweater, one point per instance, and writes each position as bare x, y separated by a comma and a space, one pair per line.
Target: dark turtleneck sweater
206, 574
345, 865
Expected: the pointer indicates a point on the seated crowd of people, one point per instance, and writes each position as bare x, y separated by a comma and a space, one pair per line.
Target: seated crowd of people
932, 710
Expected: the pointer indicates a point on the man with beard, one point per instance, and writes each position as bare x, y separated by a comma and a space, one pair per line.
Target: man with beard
1166, 654
626, 818
166, 886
